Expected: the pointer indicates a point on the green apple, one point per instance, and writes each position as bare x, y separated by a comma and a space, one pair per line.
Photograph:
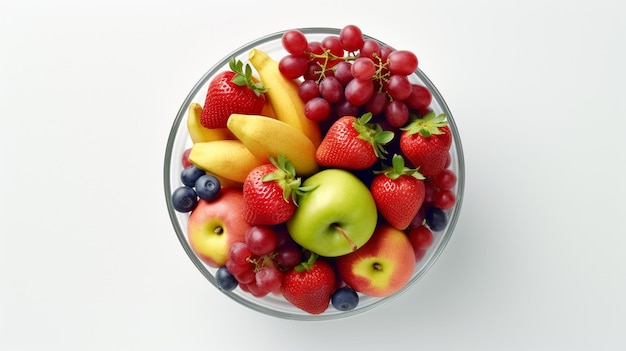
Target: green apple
337, 217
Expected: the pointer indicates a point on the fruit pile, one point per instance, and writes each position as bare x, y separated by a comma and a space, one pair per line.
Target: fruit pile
319, 176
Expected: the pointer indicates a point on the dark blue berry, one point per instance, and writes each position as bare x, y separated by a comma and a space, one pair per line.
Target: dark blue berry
208, 187
190, 174
344, 299
184, 199
225, 280
436, 219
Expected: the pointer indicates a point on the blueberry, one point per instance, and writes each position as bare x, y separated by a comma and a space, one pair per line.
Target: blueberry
225, 280
436, 219
190, 174
207, 187
184, 199
344, 299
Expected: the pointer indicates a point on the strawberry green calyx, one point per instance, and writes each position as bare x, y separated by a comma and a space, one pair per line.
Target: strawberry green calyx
373, 133
308, 264
398, 169
285, 177
243, 76
427, 125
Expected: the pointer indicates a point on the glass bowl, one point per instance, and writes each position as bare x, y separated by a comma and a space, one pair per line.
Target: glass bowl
272, 305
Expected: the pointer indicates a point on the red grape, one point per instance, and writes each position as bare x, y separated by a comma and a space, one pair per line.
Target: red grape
445, 179
351, 38
343, 72
377, 103
293, 66
370, 49
239, 253
399, 87
261, 240
419, 218
288, 256
402, 62
254, 289
185, 158
344, 108
237, 269
358, 92
317, 109
331, 89
315, 47
268, 279
333, 44
397, 113
308, 89
363, 68
444, 199
385, 51
282, 236
429, 191
294, 41
245, 276
420, 237
420, 97
314, 72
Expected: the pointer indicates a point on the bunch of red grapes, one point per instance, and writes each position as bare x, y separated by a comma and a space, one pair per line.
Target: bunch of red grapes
259, 261
348, 74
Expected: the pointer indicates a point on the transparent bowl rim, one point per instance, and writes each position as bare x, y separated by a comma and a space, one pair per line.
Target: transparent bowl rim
181, 233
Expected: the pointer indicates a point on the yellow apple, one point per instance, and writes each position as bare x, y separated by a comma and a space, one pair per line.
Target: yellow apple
215, 226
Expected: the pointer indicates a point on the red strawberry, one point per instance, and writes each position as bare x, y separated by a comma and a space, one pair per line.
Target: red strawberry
309, 285
270, 192
398, 193
233, 91
426, 142
353, 143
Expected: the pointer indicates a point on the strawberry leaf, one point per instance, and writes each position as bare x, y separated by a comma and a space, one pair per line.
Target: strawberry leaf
373, 133
243, 76
285, 176
398, 169
239, 80
427, 125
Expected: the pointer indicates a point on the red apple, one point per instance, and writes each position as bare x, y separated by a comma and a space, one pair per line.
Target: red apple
382, 266
214, 226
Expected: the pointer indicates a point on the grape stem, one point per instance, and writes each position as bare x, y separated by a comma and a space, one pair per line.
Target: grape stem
381, 75
327, 56
262, 261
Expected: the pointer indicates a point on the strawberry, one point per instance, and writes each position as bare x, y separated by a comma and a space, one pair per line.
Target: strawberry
233, 91
426, 143
270, 192
398, 192
309, 285
353, 143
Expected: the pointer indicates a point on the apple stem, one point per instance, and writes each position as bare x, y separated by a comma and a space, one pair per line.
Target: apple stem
340, 230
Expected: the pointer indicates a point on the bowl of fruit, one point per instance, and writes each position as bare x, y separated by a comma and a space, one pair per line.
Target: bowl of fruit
314, 173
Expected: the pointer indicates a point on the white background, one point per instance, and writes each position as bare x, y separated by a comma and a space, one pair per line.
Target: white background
88, 257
